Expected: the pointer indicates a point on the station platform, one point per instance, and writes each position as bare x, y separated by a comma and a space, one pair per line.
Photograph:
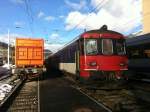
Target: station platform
57, 95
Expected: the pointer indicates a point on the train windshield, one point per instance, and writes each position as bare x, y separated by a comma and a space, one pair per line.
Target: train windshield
120, 47
91, 46
107, 46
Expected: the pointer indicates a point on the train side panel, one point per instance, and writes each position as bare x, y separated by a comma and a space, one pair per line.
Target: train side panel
67, 61
139, 55
68, 67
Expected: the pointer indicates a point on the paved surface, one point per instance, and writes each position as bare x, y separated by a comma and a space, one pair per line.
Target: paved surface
50, 95
57, 95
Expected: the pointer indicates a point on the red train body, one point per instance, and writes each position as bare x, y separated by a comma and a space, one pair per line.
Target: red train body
94, 54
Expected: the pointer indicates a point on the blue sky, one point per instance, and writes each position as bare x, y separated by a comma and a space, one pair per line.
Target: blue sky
56, 20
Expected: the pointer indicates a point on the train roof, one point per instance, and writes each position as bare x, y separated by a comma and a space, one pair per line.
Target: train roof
138, 40
103, 31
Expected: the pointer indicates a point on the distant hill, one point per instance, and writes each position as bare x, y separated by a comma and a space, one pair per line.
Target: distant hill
2, 44
3, 49
4, 52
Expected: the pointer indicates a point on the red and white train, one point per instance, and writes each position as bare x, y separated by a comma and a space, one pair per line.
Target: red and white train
94, 54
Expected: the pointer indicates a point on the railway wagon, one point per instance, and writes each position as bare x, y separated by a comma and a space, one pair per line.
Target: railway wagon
29, 57
138, 49
95, 54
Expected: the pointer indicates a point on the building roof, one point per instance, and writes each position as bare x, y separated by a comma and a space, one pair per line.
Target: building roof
138, 40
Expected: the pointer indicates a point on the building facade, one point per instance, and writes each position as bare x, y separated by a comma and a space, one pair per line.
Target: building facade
146, 16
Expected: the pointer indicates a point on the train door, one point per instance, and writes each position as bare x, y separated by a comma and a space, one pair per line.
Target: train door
77, 59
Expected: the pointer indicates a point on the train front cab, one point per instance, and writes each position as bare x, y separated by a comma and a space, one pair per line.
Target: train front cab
101, 56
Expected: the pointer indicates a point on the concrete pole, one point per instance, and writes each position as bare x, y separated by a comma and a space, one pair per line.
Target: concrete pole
8, 48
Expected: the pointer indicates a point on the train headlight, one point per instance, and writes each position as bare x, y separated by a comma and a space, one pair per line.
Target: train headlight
93, 64
122, 64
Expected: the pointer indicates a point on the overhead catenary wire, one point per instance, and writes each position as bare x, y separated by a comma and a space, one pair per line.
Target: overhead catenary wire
97, 7
30, 18
29, 13
100, 5
93, 10
25, 9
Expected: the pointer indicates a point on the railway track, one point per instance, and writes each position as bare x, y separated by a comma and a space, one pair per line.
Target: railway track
118, 100
122, 99
26, 99
129, 98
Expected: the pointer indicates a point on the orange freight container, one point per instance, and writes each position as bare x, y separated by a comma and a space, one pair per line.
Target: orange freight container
29, 52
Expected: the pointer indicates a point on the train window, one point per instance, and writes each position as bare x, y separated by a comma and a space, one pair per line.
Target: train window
147, 53
138, 53
135, 53
107, 46
120, 47
91, 46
